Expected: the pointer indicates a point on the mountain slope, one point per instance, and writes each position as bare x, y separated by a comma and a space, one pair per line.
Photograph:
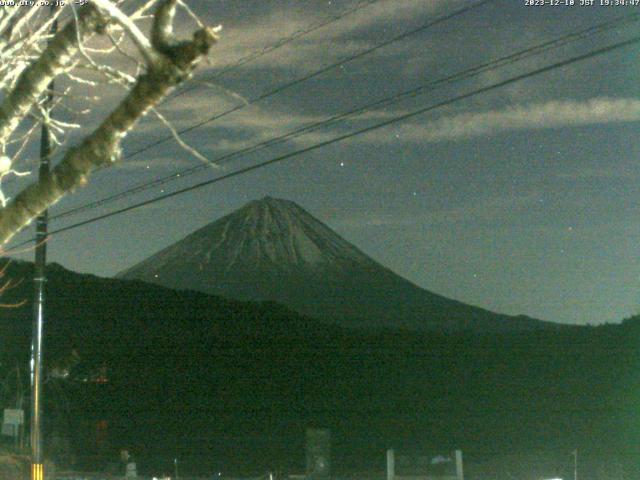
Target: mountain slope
273, 249
232, 386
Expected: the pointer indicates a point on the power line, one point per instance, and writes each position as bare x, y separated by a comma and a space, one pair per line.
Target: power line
305, 78
465, 74
281, 43
286, 86
399, 118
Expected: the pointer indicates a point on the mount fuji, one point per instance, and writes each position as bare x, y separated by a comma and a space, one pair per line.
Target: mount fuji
273, 249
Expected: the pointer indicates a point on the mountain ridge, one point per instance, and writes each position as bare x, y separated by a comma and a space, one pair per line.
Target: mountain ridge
273, 249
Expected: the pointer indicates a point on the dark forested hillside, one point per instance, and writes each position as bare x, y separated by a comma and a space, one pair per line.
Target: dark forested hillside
232, 386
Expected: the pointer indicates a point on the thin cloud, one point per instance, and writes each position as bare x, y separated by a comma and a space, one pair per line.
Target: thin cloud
461, 126
552, 114
619, 173
485, 210
333, 41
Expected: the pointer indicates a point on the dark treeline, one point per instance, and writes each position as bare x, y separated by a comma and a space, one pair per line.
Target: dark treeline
229, 386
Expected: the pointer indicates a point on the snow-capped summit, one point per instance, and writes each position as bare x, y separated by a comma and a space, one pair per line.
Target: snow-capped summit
274, 232
273, 249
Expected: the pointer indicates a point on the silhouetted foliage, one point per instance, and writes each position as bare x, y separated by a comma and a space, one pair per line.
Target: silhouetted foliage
232, 385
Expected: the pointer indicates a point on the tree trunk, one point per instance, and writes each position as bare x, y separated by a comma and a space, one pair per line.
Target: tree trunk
174, 64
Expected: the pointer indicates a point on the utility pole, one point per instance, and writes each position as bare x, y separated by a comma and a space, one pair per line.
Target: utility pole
575, 464
39, 279
391, 464
459, 467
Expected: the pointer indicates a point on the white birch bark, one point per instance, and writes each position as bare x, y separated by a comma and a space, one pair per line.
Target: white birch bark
170, 64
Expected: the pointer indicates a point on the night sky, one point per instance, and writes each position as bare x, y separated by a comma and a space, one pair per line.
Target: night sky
522, 200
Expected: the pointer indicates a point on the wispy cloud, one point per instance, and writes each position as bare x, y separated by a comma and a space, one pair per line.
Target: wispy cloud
552, 114
486, 210
620, 172
462, 126
337, 39
254, 124
157, 163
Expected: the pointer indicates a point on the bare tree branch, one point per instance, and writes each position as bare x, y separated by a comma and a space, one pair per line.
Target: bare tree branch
130, 27
173, 63
35, 79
